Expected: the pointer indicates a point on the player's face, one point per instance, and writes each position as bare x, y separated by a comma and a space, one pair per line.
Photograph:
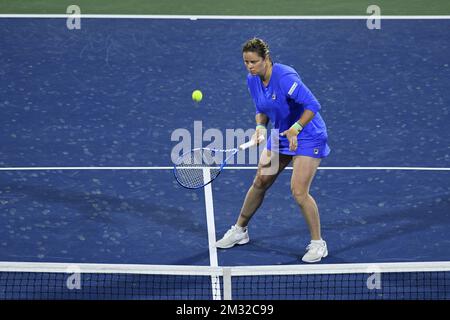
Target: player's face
254, 63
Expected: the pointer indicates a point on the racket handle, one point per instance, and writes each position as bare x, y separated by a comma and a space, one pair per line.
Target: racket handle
251, 143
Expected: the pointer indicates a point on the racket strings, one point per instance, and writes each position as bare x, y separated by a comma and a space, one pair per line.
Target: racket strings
189, 168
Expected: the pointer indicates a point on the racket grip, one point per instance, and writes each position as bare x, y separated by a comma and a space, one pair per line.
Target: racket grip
251, 143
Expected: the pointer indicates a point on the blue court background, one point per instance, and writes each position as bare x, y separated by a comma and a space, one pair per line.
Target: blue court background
112, 93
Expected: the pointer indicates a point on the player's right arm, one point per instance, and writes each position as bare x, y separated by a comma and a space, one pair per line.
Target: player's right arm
261, 123
261, 118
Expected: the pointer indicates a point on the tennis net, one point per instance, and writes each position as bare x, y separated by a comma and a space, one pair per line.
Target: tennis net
383, 281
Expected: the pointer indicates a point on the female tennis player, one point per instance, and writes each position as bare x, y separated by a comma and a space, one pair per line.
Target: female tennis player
298, 134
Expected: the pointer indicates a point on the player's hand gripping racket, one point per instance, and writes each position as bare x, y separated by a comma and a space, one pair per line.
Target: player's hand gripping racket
189, 167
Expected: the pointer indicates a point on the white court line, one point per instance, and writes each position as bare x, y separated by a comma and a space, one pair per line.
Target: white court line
213, 261
227, 168
222, 17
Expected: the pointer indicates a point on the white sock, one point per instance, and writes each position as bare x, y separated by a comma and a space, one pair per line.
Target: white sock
240, 228
317, 241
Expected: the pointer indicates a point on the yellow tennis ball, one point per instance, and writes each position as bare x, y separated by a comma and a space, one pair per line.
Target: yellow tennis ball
197, 96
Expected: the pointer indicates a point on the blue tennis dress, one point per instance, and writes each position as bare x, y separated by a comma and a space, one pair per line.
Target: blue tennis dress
283, 101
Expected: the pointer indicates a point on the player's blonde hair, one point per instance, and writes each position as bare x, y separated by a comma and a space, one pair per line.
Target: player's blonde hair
258, 46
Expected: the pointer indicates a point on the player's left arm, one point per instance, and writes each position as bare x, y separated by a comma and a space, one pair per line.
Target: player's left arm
296, 90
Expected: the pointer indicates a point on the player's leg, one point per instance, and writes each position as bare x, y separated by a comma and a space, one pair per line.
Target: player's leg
304, 170
269, 167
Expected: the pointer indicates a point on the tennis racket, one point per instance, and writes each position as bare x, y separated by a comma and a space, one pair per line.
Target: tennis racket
200, 166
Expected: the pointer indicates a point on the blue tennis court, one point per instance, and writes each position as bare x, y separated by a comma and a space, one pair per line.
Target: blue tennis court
110, 95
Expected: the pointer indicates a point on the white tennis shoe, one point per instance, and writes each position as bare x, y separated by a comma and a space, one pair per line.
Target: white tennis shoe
235, 235
316, 250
